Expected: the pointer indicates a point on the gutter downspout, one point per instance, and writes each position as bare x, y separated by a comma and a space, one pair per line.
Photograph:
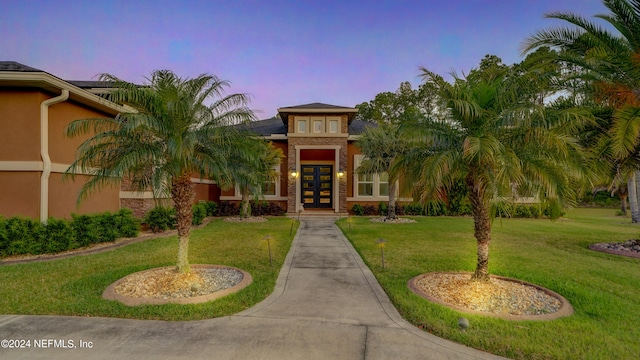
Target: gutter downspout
44, 152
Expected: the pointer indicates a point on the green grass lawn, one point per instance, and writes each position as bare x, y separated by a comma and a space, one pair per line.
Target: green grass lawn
74, 286
603, 289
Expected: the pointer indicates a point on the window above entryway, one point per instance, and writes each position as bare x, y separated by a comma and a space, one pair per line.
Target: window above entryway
317, 125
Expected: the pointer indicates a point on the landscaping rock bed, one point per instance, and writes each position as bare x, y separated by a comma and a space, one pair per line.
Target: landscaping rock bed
166, 285
247, 219
391, 221
500, 297
629, 248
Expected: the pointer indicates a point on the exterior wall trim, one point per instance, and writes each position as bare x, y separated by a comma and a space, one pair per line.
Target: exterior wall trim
21, 166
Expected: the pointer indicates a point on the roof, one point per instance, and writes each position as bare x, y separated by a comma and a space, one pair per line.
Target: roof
317, 108
16, 66
266, 127
357, 127
14, 74
85, 84
318, 105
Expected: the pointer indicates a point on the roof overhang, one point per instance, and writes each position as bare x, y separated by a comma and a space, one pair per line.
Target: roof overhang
50, 83
322, 109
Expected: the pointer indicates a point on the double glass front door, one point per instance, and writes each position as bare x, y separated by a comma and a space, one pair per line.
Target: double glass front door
317, 186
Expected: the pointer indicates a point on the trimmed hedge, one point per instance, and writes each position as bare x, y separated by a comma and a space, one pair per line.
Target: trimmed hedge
21, 236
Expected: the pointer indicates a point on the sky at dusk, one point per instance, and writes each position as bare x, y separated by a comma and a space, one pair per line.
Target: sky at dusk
282, 53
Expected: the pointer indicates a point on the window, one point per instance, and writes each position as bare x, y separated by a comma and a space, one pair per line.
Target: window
364, 183
383, 184
302, 126
269, 188
374, 185
317, 126
333, 126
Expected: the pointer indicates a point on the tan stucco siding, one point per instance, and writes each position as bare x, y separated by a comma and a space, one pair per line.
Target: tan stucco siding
64, 194
19, 194
20, 124
62, 149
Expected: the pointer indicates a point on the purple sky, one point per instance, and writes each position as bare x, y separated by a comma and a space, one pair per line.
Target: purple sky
282, 53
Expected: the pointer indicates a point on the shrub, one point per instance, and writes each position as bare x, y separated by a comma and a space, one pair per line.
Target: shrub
226, 208
126, 223
25, 236
86, 229
58, 236
435, 208
212, 208
4, 239
276, 210
260, 208
413, 209
383, 208
368, 210
106, 222
199, 213
357, 209
160, 218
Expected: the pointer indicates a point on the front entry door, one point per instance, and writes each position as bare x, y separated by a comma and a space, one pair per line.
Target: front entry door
317, 186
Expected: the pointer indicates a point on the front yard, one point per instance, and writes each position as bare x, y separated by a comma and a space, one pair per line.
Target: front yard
603, 289
74, 286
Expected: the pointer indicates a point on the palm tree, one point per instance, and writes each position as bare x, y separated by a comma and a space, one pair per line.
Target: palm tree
610, 62
382, 147
170, 135
499, 142
250, 176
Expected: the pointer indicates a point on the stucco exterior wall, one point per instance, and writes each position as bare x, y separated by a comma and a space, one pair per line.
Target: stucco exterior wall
20, 194
20, 124
64, 194
20, 142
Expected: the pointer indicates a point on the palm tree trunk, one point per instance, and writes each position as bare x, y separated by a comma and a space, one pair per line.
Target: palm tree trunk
183, 194
482, 226
623, 204
633, 197
246, 210
391, 211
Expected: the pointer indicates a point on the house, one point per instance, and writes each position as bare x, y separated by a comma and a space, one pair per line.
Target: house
35, 107
318, 171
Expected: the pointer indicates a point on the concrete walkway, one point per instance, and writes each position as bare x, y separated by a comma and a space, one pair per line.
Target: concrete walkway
326, 305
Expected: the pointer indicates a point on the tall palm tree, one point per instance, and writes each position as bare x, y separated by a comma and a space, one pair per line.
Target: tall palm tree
499, 142
610, 62
382, 147
178, 128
